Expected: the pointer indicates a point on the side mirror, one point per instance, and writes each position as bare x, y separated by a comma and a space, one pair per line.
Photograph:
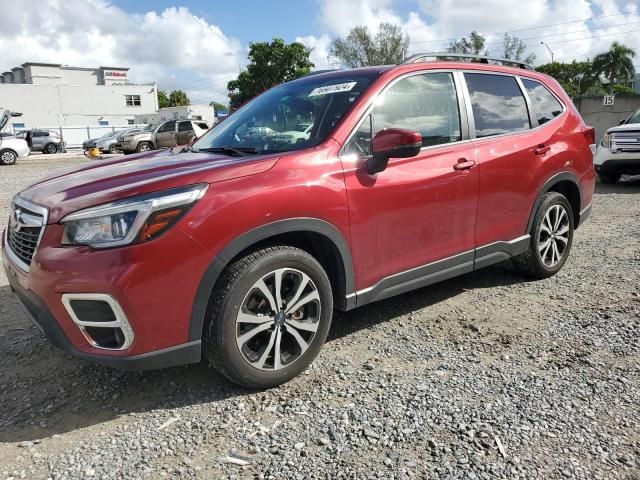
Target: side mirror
622, 122
393, 143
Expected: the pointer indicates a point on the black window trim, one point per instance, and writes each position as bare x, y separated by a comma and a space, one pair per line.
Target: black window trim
463, 107
532, 120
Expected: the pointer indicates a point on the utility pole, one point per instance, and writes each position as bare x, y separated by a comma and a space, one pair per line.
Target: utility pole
550, 51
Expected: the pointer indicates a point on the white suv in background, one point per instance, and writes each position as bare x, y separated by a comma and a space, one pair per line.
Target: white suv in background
11, 147
619, 150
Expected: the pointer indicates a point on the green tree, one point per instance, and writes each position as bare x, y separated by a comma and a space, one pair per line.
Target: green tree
474, 45
616, 65
270, 63
577, 78
163, 99
514, 48
361, 49
218, 106
178, 98
623, 90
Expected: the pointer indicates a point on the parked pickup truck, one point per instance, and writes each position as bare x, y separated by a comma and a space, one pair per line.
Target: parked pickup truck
168, 134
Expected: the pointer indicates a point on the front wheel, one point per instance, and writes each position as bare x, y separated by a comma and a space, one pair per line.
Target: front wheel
144, 147
609, 177
268, 317
112, 149
551, 238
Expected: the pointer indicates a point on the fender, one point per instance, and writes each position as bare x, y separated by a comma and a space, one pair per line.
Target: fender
558, 177
256, 235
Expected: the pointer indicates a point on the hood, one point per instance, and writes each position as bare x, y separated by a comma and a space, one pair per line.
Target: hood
99, 182
627, 127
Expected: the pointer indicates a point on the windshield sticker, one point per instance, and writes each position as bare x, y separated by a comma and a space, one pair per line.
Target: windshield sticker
340, 87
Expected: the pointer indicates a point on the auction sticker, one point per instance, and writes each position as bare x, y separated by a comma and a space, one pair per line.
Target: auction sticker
337, 88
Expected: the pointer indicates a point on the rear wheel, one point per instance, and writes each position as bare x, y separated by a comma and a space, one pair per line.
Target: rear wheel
551, 238
609, 177
50, 148
8, 157
268, 317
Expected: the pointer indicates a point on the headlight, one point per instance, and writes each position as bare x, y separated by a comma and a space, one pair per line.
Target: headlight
134, 220
606, 140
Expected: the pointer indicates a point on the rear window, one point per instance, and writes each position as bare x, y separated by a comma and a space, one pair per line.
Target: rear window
498, 104
545, 105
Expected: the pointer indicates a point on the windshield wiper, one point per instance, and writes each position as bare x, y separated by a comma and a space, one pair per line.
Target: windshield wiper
240, 151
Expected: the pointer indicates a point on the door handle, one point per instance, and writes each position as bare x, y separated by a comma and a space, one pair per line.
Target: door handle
464, 164
542, 149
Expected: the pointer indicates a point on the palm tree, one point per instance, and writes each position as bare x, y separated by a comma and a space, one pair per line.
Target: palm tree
616, 64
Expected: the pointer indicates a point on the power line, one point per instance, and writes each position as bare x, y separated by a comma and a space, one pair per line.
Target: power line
526, 29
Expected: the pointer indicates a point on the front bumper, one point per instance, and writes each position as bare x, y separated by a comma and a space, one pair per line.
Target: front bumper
39, 314
620, 166
156, 291
126, 146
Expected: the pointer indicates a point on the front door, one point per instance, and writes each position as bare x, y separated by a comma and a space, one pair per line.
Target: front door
419, 210
166, 134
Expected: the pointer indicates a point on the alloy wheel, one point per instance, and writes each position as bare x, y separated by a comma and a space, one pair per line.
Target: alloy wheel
553, 236
8, 158
278, 319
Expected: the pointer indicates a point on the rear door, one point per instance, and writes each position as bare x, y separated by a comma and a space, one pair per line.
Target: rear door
39, 139
508, 153
166, 135
185, 132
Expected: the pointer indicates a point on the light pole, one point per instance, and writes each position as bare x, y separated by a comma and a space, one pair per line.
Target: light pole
550, 51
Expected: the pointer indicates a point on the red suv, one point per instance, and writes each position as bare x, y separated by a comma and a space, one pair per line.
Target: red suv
328, 192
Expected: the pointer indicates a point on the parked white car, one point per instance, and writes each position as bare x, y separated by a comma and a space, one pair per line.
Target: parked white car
298, 134
619, 150
11, 147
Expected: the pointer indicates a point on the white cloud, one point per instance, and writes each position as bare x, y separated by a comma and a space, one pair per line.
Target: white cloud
165, 47
319, 51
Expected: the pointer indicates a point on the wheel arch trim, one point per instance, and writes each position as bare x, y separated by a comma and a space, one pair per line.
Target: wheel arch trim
547, 186
259, 234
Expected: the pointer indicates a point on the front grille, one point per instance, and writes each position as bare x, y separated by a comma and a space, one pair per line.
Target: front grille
625, 141
24, 232
24, 242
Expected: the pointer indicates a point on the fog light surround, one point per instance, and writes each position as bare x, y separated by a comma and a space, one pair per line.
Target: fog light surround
117, 321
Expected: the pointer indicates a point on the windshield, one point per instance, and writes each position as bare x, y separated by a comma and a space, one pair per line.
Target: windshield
635, 118
150, 128
292, 116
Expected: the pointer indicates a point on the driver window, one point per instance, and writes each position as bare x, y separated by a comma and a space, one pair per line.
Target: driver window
427, 103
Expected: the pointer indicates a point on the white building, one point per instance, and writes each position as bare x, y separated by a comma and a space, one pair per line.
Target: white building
53, 95
188, 112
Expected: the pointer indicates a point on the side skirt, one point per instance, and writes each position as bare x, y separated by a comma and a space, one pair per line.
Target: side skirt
442, 270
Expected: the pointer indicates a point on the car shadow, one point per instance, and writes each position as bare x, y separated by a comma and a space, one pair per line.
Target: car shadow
627, 184
44, 391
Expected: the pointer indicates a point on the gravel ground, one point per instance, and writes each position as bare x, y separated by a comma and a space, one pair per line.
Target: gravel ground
483, 376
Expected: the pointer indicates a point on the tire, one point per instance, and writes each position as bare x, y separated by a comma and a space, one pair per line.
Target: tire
144, 147
50, 148
609, 177
248, 358
8, 157
541, 261
112, 148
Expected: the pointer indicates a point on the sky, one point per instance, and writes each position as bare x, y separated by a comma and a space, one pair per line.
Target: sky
199, 45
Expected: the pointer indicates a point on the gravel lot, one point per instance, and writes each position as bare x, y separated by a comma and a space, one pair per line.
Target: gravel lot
483, 376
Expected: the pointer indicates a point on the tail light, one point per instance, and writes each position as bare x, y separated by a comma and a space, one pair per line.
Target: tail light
590, 134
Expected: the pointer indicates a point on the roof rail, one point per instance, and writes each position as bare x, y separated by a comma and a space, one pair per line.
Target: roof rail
418, 57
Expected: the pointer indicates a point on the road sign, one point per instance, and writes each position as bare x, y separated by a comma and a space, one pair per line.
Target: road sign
608, 100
